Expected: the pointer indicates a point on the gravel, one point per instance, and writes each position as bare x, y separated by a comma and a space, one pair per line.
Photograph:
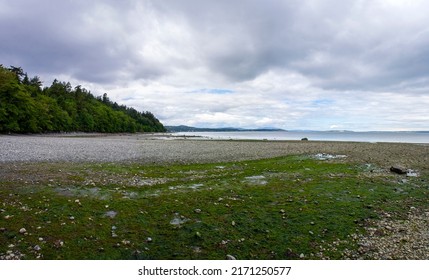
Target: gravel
390, 239
146, 148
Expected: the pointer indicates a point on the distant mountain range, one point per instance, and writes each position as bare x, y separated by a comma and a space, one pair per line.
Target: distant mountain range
184, 128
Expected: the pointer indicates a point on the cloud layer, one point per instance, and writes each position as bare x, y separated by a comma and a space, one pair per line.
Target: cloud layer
298, 64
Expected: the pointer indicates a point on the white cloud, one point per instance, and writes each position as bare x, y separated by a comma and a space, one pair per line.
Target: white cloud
360, 65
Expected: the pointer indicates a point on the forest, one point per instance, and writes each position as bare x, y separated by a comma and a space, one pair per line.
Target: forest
27, 107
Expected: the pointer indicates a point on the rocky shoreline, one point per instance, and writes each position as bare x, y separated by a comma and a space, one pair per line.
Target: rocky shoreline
386, 238
160, 149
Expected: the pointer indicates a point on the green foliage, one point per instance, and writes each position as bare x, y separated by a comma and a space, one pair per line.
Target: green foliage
27, 108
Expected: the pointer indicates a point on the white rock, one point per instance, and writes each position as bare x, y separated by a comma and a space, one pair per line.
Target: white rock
22, 230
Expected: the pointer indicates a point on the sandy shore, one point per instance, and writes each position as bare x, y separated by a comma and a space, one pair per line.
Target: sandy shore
151, 149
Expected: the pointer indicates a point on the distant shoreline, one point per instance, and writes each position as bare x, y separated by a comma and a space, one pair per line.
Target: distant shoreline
335, 136
184, 128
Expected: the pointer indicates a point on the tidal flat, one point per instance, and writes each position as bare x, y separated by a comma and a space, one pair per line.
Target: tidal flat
141, 197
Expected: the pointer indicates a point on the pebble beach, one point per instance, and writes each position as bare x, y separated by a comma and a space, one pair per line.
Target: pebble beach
162, 149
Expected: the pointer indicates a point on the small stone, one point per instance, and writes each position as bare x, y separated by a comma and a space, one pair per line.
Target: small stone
312, 223
149, 239
198, 211
301, 256
37, 248
233, 223
304, 139
40, 238
59, 243
412, 173
126, 242
231, 258
110, 214
198, 234
71, 218
196, 249
22, 230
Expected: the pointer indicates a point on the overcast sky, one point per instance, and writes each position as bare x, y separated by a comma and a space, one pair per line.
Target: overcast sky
292, 64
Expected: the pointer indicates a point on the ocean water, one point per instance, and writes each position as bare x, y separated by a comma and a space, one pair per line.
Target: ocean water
392, 137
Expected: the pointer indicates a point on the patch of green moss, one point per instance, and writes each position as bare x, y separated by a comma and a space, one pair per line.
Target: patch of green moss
281, 208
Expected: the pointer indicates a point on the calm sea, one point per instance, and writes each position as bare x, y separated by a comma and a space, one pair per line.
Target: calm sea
396, 137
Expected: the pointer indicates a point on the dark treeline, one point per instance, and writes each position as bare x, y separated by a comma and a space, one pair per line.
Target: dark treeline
26, 107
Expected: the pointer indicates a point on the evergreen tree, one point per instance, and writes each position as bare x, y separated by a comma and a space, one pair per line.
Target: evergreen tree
27, 108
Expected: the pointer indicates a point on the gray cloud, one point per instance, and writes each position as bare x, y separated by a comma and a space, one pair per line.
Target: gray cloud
340, 44
277, 58
84, 39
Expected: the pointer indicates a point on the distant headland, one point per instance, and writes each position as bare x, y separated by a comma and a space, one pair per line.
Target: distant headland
184, 128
